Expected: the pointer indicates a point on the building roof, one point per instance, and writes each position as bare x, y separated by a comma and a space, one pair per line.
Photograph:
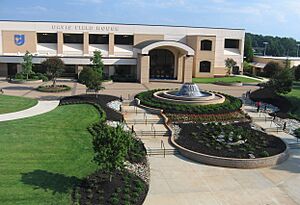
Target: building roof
258, 65
279, 57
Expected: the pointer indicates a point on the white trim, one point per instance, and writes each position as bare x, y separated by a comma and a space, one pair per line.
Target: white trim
187, 49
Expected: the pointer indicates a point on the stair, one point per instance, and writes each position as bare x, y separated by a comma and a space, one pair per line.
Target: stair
143, 121
294, 146
153, 133
162, 152
273, 129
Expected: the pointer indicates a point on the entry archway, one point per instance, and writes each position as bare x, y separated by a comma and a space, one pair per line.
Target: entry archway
162, 64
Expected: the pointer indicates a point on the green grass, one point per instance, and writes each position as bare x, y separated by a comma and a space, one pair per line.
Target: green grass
13, 104
294, 98
41, 157
225, 80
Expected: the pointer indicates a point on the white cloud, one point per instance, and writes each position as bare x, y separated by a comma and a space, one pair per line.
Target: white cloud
32, 9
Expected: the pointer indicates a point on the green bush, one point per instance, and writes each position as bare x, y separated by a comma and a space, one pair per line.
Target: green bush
231, 104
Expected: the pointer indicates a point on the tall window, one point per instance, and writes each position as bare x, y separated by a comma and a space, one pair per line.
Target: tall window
205, 66
232, 43
206, 45
124, 39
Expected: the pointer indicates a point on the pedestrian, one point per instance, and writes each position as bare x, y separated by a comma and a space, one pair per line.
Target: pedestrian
265, 107
132, 129
284, 126
258, 104
1, 91
274, 117
121, 98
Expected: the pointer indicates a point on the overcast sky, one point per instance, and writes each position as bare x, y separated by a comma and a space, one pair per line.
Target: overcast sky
268, 17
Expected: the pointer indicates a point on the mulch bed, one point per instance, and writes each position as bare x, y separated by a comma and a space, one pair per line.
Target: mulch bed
274, 145
125, 188
101, 100
268, 96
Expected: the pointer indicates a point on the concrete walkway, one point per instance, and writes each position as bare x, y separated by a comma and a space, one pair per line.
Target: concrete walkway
176, 180
40, 108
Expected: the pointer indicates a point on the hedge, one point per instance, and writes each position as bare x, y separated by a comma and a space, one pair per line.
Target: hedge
231, 104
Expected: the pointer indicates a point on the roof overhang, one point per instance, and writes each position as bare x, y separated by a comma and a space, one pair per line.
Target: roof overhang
145, 47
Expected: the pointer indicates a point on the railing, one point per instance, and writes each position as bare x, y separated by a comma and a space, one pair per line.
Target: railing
162, 146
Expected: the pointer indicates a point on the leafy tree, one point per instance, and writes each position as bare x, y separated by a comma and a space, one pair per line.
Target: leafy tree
247, 67
111, 147
248, 49
55, 67
27, 64
282, 81
230, 64
297, 72
93, 80
271, 69
97, 63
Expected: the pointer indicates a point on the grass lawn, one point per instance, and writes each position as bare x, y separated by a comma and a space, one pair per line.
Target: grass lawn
43, 156
294, 98
225, 79
14, 104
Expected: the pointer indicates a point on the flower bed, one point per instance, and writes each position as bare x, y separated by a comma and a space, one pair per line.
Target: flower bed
53, 89
230, 141
200, 118
231, 104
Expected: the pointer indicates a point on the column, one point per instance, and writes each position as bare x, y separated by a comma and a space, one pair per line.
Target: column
143, 68
86, 43
188, 69
60, 42
111, 45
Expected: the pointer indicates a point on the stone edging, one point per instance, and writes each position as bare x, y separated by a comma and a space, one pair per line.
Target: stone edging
228, 162
229, 84
25, 82
107, 83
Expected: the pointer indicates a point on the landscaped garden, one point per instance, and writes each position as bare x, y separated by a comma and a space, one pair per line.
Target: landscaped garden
229, 79
57, 158
13, 104
237, 140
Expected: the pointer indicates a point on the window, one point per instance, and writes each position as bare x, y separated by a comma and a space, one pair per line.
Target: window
73, 38
124, 39
205, 66
232, 43
98, 39
46, 37
206, 45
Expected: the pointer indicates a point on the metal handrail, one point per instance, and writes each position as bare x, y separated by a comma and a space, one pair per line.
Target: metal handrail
162, 146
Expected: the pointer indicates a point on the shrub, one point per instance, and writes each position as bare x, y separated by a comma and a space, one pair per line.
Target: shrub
231, 104
297, 73
264, 154
282, 81
271, 69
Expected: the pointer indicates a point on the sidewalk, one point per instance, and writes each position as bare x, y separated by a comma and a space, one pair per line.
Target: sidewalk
41, 108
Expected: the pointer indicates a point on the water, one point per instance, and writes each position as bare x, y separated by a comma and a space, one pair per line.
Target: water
190, 90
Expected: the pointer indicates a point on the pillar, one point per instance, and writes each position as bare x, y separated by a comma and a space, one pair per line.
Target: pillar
111, 44
188, 69
86, 43
60, 42
143, 68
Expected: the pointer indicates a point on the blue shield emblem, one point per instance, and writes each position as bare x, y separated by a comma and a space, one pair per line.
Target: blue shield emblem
19, 39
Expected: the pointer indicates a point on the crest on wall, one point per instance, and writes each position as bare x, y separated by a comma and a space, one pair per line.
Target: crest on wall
19, 39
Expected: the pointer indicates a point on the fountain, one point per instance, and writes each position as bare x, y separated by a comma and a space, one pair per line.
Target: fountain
190, 93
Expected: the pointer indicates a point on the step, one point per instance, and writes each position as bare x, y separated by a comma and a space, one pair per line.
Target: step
273, 129
145, 121
152, 133
259, 119
157, 151
294, 146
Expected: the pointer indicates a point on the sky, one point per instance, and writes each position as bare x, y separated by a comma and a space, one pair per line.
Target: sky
267, 17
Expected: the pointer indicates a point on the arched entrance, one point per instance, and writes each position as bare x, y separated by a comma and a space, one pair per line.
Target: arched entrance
162, 64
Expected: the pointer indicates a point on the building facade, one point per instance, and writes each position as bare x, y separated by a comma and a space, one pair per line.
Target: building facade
134, 52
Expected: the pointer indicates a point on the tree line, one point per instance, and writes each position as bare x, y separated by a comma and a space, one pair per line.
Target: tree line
277, 46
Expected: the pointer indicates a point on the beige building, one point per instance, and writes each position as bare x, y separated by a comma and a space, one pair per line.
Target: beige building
259, 62
130, 52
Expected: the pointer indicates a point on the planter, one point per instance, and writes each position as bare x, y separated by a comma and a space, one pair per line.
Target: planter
18, 81
239, 84
51, 89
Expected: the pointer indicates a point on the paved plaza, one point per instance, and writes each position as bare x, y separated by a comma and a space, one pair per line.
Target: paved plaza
176, 180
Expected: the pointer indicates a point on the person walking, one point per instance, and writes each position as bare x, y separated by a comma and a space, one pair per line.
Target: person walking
258, 104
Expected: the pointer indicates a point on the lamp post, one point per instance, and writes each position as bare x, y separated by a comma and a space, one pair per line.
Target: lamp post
298, 45
266, 44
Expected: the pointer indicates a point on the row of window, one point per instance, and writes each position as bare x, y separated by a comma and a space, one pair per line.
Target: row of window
206, 45
78, 38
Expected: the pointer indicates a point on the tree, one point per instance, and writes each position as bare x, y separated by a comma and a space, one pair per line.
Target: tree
92, 80
55, 67
248, 49
271, 69
282, 81
247, 67
27, 64
97, 63
230, 64
111, 147
297, 72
